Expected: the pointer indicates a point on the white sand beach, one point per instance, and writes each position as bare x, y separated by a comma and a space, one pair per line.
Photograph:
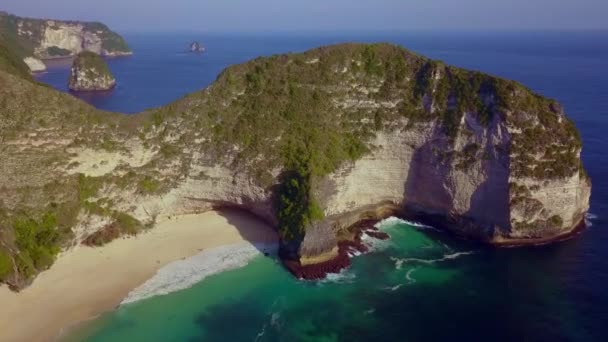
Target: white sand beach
86, 282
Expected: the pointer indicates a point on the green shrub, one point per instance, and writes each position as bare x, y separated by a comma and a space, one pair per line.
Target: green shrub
87, 187
149, 185
38, 242
296, 206
556, 221
127, 224
55, 51
6, 265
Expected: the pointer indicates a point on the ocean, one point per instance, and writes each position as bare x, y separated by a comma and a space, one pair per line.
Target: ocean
421, 285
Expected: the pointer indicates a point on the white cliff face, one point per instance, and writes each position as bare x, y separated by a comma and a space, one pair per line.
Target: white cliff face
408, 170
411, 169
71, 37
68, 37
34, 64
218, 187
59, 39
567, 199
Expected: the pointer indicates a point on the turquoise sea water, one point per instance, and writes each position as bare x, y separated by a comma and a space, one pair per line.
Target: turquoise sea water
421, 284
547, 293
262, 302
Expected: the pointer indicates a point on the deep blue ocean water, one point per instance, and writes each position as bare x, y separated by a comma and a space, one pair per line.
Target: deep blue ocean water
550, 293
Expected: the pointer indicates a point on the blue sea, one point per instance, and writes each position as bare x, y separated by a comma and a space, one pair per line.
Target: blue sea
423, 285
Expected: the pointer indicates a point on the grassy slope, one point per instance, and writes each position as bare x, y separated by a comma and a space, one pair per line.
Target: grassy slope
11, 62
283, 112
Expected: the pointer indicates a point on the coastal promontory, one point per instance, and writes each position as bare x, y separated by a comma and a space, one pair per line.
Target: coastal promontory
90, 72
314, 143
34, 40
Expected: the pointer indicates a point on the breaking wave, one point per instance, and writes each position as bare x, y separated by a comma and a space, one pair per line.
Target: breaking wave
394, 220
183, 274
589, 218
345, 276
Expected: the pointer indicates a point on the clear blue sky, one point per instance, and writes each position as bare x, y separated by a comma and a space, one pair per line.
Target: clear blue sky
321, 15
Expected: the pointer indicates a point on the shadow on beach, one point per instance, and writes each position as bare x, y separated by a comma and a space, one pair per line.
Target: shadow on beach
252, 228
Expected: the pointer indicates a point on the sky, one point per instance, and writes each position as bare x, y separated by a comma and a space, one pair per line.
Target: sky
322, 15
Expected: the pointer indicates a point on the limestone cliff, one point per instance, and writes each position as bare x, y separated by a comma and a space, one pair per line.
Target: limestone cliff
37, 39
310, 142
90, 72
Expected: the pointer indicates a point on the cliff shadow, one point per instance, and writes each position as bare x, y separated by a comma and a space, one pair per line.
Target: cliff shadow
425, 195
251, 227
433, 185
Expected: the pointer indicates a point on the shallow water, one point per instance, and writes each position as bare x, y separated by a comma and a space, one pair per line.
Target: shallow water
420, 286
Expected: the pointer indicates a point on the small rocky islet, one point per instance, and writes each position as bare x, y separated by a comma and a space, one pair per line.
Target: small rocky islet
197, 47
90, 72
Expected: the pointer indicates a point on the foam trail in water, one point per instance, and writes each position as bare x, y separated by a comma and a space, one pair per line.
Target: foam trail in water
182, 274
345, 276
589, 217
408, 276
399, 262
394, 220
375, 244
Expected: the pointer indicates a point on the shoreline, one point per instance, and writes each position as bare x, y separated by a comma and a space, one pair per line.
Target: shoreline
86, 282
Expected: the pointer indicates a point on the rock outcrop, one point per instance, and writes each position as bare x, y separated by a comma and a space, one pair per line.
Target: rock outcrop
46, 39
34, 64
90, 72
313, 143
197, 47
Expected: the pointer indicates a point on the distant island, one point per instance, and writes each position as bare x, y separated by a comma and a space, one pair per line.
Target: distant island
34, 40
197, 47
90, 72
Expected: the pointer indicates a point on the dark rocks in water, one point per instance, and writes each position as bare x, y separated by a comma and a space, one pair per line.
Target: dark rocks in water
320, 270
378, 235
197, 47
342, 260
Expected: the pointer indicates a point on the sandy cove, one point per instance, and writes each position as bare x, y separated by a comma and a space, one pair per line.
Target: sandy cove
86, 282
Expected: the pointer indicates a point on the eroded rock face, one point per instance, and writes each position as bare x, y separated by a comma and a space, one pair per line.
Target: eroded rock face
35, 64
90, 72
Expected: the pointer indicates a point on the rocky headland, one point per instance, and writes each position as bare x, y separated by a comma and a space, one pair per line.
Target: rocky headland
90, 72
35, 40
313, 143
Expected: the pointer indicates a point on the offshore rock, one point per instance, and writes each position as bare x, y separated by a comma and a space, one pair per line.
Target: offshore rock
197, 47
90, 73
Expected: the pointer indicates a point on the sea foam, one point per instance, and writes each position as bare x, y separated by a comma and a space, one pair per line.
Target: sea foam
182, 274
589, 218
395, 220
399, 262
